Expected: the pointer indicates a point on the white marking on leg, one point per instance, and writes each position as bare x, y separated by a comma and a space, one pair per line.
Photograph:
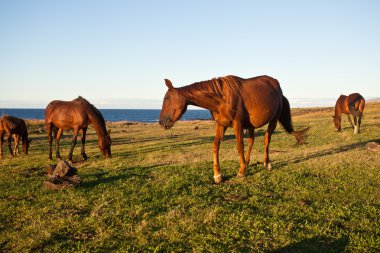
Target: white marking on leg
218, 178
268, 166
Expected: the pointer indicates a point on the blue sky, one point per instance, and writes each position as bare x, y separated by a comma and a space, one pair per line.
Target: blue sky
113, 52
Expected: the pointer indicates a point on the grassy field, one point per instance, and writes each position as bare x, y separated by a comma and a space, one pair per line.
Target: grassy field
157, 193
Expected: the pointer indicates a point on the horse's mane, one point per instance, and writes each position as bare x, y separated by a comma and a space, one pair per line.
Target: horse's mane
212, 88
96, 111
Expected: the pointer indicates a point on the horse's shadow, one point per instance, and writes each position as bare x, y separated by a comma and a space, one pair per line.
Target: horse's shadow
316, 244
92, 180
330, 151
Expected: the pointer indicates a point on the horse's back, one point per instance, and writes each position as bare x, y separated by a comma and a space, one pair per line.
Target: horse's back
66, 114
13, 125
262, 99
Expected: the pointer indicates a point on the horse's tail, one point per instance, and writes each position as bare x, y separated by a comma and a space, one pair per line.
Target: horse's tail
361, 105
286, 121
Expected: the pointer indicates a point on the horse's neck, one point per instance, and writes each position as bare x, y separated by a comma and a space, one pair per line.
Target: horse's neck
338, 110
98, 124
205, 98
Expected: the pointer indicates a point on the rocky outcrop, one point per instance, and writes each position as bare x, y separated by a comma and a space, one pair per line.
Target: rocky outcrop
61, 176
373, 146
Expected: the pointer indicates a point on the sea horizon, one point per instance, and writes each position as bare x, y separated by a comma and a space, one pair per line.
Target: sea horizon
112, 115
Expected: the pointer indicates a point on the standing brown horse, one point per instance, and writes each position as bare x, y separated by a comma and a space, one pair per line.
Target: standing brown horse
75, 115
351, 104
233, 102
15, 127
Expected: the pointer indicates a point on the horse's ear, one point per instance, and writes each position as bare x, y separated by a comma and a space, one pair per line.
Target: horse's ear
169, 84
109, 131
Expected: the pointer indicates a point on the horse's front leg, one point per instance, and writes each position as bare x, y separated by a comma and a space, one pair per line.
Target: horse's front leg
50, 138
271, 127
84, 130
10, 143
349, 120
74, 142
219, 133
240, 147
1, 143
251, 140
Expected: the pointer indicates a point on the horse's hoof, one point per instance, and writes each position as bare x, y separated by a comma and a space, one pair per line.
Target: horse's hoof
218, 179
240, 174
268, 166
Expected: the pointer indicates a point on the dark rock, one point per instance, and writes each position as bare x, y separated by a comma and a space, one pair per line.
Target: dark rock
50, 169
54, 185
196, 128
63, 169
61, 176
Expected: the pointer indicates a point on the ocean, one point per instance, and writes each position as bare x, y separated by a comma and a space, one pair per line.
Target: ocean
136, 115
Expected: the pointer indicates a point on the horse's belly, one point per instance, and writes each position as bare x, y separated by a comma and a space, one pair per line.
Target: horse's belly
260, 119
262, 111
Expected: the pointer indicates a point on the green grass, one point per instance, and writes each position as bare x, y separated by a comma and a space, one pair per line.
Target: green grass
157, 193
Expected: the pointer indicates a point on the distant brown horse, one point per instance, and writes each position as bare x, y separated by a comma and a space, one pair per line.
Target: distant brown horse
233, 102
75, 115
15, 127
352, 104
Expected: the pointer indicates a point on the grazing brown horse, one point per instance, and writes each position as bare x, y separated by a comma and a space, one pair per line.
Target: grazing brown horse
352, 104
233, 102
15, 127
75, 115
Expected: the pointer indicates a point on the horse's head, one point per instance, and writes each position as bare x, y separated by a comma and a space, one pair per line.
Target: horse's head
173, 106
337, 123
105, 145
25, 145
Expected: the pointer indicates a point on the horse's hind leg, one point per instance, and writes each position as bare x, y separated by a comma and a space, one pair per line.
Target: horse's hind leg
57, 139
271, 127
16, 138
84, 130
355, 114
251, 140
359, 120
356, 128
74, 142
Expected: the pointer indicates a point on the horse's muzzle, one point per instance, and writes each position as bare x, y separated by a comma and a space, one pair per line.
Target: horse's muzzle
166, 123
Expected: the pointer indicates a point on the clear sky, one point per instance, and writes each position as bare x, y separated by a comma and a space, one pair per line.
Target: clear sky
112, 51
